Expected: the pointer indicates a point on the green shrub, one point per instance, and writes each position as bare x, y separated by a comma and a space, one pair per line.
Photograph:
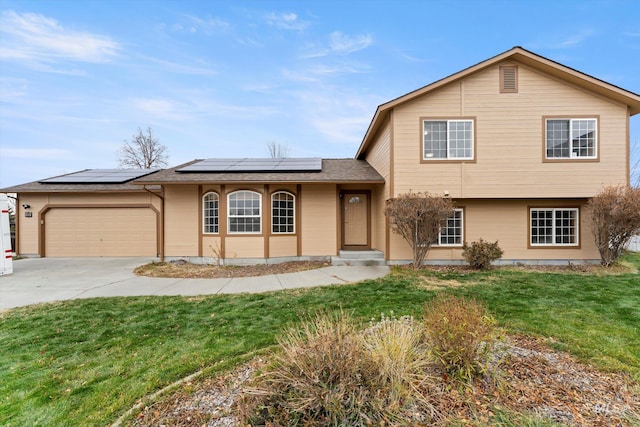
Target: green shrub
461, 335
480, 254
330, 373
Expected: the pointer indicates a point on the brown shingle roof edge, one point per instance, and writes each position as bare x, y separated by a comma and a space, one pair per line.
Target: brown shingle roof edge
38, 187
333, 171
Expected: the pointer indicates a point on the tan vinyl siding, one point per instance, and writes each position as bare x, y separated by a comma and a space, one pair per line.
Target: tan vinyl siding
508, 222
379, 156
244, 247
283, 246
27, 234
319, 213
182, 227
510, 139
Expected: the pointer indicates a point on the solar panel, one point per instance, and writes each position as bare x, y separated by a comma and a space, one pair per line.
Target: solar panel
255, 165
99, 176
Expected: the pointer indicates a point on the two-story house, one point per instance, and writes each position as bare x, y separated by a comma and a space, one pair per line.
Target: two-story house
518, 141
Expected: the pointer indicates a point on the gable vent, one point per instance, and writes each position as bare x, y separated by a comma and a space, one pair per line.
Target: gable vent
509, 79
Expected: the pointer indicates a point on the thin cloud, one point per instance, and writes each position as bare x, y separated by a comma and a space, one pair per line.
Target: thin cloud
155, 106
183, 67
33, 153
286, 21
339, 44
563, 42
195, 24
39, 39
344, 44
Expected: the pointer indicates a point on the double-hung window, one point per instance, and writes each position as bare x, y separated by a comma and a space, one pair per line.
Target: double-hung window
447, 139
245, 212
282, 213
554, 226
571, 138
451, 231
210, 213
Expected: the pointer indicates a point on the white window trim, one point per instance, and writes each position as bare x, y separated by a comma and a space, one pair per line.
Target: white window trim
553, 228
294, 213
229, 216
454, 245
204, 213
571, 152
449, 157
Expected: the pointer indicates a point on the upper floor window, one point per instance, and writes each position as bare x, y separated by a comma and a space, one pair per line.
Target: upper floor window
447, 140
282, 212
571, 138
451, 232
245, 212
554, 227
210, 213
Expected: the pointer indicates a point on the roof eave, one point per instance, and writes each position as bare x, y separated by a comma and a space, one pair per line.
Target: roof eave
518, 54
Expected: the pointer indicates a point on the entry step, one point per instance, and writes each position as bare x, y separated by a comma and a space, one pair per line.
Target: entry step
359, 258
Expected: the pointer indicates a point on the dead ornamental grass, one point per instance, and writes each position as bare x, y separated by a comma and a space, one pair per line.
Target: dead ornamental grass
540, 383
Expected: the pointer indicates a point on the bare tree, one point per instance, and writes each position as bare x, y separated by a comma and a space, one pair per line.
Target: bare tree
278, 150
143, 152
615, 219
417, 217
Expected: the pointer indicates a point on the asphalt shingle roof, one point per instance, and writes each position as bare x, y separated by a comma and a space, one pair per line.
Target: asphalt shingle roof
333, 171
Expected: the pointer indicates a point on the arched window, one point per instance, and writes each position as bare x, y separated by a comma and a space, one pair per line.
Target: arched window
210, 213
245, 212
282, 212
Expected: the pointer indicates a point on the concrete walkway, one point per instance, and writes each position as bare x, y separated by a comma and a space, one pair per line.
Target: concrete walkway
38, 280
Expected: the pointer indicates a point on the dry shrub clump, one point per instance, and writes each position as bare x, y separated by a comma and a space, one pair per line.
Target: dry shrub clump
480, 254
331, 373
461, 335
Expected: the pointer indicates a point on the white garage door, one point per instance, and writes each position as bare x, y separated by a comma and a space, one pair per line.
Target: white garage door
77, 232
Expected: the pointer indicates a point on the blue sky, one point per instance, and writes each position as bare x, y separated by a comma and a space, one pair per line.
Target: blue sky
224, 79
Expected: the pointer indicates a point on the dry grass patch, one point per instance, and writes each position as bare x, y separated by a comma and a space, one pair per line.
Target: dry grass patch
186, 270
431, 283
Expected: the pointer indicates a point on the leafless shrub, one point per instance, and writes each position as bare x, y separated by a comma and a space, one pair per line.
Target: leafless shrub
615, 218
417, 217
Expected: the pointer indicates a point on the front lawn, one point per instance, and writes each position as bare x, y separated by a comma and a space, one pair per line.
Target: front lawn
88, 361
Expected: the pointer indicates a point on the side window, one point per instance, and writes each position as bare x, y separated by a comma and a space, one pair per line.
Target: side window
553, 227
447, 140
571, 138
451, 232
282, 212
210, 213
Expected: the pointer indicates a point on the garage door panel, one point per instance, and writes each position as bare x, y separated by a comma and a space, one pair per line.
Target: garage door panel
100, 232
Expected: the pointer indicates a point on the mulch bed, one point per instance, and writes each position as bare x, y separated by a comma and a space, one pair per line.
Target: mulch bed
534, 380
185, 270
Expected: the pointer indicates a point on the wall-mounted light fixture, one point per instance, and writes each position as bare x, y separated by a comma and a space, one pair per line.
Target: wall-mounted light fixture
26, 206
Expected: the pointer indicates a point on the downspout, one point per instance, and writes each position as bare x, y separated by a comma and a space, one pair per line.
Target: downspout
161, 197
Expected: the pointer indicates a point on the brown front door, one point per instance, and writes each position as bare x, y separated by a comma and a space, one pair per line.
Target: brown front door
355, 221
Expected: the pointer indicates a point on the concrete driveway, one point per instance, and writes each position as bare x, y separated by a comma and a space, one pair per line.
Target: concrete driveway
37, 280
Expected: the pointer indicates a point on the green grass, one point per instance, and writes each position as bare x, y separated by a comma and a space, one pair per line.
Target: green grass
88, 361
